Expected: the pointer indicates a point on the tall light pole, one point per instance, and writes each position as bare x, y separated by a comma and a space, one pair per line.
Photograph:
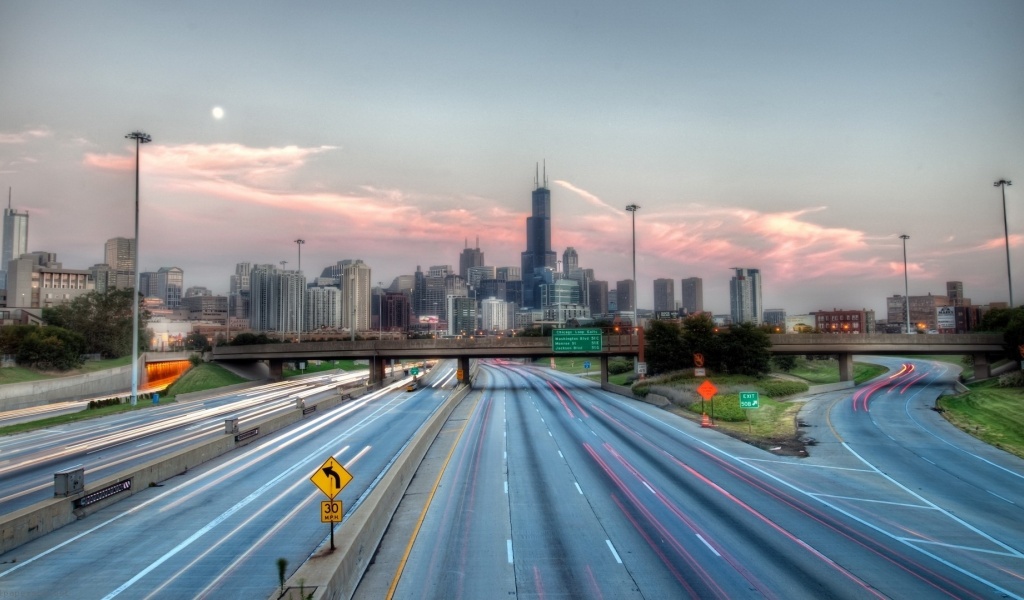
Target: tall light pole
906, 282
302, 298
140, 138
632, 208
1002, 183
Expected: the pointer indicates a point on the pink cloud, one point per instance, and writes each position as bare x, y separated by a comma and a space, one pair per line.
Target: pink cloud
23, 137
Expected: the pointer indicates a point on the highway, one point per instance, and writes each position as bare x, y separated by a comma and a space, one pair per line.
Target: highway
557, 489
112, 444
218, 530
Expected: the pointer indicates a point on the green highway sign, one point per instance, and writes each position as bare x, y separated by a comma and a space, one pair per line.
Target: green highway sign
749, 400
576, 340
415, 370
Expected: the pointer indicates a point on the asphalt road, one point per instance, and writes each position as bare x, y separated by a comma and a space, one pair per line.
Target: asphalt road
557, 489
219, 530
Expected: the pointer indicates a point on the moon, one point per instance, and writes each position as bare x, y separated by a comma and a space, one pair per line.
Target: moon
218, 112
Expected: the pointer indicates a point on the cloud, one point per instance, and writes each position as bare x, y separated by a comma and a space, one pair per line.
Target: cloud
590, 198
23, 137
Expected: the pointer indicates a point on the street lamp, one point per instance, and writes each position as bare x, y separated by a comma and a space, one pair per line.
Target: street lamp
140, 138
906, 282
1002, 183
632, 208
302, 298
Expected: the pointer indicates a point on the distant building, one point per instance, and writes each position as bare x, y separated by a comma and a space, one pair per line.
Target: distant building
461, 315
477, 274
845, 321
470, 257
355, 298
693, 295
776, 317
197, 290
745, 296
206, 307
395, 312
170, 283
625, 296
15, 240
538, 254
323, 308
599, 298
509, 273
37, 280
664, 295
277, 297
495, 315
119, 254
923, 316
570, 260
238, 291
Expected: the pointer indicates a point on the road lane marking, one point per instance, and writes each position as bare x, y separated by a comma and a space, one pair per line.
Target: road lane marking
560, 454
578, 489
903, 504
649, 487
710, 547
506, 486
928, 461
614, 553
508, 544
1000, 497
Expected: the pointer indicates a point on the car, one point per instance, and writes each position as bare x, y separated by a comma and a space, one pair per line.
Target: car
411, 387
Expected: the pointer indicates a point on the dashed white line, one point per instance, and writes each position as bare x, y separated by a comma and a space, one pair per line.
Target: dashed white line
614, 553
578, 489
1000, 497
710, 547
928, 461
508, 544
649, 487
549, 433
560, 454
506, 486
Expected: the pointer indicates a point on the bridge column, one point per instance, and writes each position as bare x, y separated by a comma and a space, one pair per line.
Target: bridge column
845, 366
464, 370
604, 369
276, 369
377, 371
982, 370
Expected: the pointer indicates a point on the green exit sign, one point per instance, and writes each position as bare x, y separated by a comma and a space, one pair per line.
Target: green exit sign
749, 400
576, 340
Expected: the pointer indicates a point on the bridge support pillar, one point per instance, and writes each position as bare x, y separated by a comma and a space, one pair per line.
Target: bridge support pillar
377, 371
982, 370
604, 369
276, 369
464, 370
845, 366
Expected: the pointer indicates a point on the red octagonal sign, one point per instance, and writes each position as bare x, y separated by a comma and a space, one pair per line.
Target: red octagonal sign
707, 389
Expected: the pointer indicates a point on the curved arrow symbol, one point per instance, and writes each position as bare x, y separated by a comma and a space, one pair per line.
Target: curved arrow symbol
329, 471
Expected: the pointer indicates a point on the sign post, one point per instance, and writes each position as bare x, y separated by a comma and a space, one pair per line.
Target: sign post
749, 400
331, 478
707, 391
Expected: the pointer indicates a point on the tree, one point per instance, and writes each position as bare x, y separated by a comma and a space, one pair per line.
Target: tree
700, 336
196, 341
664, 349
995, 320
747, 350
249, 339
51, 348
103, 319
784, 362
1009, 322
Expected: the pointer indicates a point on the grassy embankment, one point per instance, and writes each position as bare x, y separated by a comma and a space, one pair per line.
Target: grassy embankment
23, 374
327, 365
994, 415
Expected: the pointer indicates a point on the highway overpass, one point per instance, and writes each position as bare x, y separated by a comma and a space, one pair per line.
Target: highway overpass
378, 352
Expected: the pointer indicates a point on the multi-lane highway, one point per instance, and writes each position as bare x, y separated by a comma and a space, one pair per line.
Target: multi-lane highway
218, 530
557, 489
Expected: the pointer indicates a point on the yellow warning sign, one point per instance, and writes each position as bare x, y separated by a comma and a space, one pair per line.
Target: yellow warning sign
331, 477
331, 511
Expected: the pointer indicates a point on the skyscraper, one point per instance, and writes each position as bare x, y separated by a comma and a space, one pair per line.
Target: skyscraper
470, 257
538, 254
355, 298
664, 295
693, 295
277, 297
170, 281
745, 296
570, 260
625, 296
15, 241
598, 298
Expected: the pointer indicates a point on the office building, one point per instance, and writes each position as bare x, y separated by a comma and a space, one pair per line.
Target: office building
461, 315
477, 274
509, 273
923, 315
169, 282
37, 280
15, 241
844, 321
625, 296
693, 295
470, 257
238, 291
277, 297
395, 311
538, 254
206, 307
776, 317
598, 298
570, 260
745, 296
495, 314
664, 295
119, 254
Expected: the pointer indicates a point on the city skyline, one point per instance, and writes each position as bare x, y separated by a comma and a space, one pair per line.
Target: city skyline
801, 143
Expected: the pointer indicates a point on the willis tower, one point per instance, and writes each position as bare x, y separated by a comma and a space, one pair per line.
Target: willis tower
539, 261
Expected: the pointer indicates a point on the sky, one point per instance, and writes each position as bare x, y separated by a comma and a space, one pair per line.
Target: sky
799, 138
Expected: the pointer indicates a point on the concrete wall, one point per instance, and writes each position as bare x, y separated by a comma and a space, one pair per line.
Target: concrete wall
44, 391
35, 521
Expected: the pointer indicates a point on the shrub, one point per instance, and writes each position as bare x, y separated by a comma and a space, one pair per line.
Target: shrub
1015, 379
619, 365
775, 388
